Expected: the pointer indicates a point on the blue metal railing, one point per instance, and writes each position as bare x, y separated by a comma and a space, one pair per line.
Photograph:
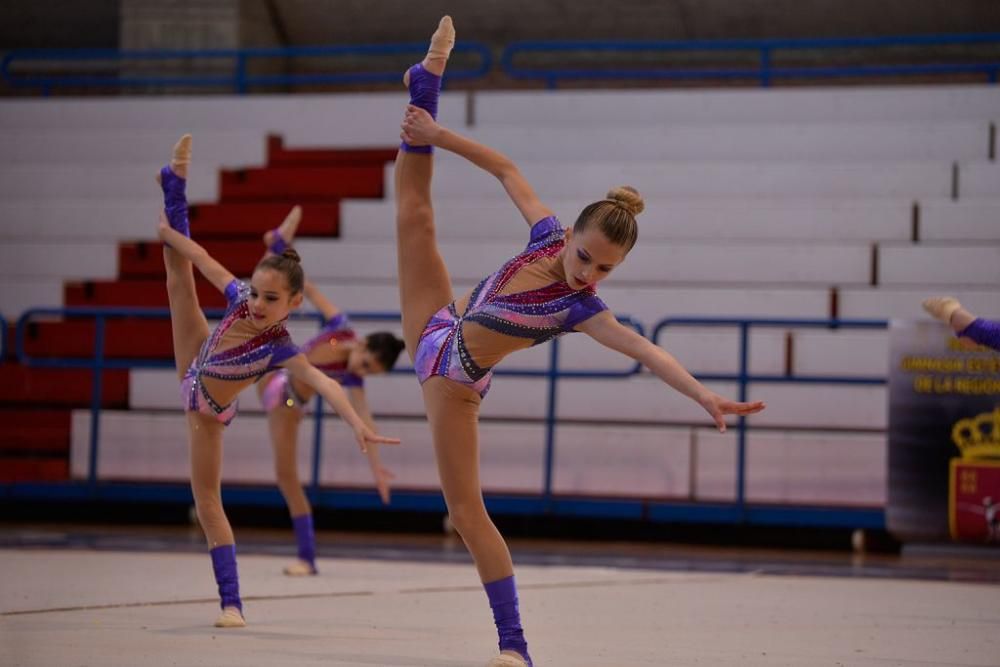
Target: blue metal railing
743, 378
98, 363
240, 80
738, 511
764, 73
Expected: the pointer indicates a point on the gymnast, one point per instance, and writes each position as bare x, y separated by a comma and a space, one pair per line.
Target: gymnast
965, 325
340, 354
546, 290
214, 366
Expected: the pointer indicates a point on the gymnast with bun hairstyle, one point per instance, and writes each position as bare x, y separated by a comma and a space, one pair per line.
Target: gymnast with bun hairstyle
215, 366
546, 290
340, 354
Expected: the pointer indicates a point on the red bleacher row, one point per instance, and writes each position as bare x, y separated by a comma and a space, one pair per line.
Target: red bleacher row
37, 402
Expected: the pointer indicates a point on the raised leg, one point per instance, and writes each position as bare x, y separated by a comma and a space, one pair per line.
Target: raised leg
188, 324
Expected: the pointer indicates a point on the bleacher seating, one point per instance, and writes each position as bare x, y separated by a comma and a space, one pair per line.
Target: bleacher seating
790, 203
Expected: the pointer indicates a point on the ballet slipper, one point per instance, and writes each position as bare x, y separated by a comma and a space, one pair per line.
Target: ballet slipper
280, 238
442, 42
299, 568
231, 617
423, 80
507, 660
942, 307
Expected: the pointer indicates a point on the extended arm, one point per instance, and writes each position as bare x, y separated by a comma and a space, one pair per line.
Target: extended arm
381, 475
336, 397
216, 274
607, 331
319, 300
419, 128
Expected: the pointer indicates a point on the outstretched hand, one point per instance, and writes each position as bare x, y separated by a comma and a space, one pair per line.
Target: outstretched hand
719, 407
418, 128
383, 477
365, 436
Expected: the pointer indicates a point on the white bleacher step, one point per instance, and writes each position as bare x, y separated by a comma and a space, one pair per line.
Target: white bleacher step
87, 219
646, 398
108, 147
823, 142
58, 260
118, 183
940, 264
343, 120
641, 398
976, 219
751, 218
647, 303
815, 104
19, 294
589, 180
903, 301
805, 263
598, 461
979, 179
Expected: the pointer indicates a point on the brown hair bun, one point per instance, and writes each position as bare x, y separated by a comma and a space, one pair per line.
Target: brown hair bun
628, 198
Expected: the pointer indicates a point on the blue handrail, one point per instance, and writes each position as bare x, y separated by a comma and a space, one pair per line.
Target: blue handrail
765, 72
239, 79
98, 364
744, 378
544, 503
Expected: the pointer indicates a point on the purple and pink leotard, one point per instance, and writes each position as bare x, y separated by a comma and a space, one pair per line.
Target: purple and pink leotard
525, 303
279, 390
235, 351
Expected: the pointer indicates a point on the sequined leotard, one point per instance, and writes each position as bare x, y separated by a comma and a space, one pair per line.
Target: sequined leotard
255, 353
525, 303
280, 390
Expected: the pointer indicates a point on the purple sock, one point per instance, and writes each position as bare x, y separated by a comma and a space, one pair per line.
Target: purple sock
224, 565
174, 201
984, 332
306, 538
425, 88
503, 601
278, 245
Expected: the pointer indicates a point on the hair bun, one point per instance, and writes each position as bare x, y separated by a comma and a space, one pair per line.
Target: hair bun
289, 253
628, 198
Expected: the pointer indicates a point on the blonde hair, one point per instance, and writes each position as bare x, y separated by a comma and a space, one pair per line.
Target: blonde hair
614, 216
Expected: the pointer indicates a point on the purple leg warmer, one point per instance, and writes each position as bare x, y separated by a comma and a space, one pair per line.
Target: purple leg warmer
224, 565
984, 332
503, 601
424, 91
306, 538
278, 245
174, 201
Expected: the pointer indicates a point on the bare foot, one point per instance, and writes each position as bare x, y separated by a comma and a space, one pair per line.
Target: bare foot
442, 41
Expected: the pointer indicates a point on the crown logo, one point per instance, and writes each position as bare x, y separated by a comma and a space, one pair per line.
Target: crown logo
978, 437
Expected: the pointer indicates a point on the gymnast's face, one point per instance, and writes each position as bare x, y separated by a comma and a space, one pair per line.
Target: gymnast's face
270, 298
589, 257
362, 361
